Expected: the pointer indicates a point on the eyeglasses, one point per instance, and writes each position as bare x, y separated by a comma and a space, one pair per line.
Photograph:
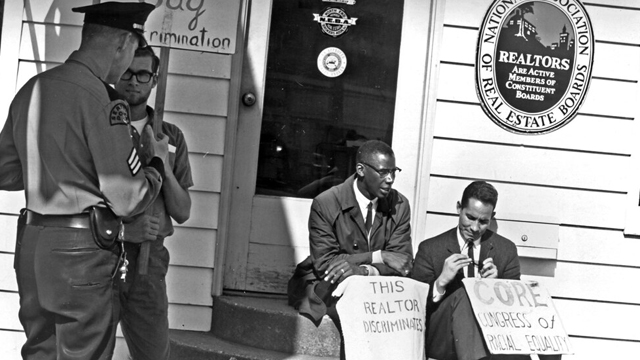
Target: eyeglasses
143, 76
383, 173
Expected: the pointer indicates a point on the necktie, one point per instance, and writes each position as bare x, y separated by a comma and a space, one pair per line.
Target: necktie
367, 223
470, 268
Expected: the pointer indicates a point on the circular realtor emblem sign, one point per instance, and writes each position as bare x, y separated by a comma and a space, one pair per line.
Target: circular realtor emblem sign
332, 62
334, 21
533, 63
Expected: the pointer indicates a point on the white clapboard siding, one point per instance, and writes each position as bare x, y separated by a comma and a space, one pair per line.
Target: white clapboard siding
522, 164
269, 267
204, 134
605, 20
191, 246
603, 320
592, 282
204, 210
8, 228
11, 202
11, 344
575, 244
9, 306
598, 246
559, 205
188, 317
51, 43
468, 121
459, 45
54, 11
604, 97
206, 170
598, 349
270, 225
189, 285
197, 95
8, 280
195, 63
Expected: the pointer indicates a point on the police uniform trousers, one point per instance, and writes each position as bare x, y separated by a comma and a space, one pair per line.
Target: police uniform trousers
67, 297
144, 304
454, 334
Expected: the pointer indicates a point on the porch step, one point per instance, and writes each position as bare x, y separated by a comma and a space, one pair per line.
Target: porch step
257, 328
193, 345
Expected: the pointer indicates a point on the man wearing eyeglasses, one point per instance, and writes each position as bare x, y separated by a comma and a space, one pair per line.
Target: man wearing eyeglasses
143, 295
360, 227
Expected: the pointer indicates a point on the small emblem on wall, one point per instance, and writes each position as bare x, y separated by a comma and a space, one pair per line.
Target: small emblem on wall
334, 21
533, 64
346, 2
332, 62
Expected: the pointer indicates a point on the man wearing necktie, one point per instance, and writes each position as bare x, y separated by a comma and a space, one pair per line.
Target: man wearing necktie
468, 250
360, 227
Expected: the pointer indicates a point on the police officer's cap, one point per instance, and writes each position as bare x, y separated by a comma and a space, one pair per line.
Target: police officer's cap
126, 16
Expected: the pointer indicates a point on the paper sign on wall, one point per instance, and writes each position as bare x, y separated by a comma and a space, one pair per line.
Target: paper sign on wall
201, 25
517, 317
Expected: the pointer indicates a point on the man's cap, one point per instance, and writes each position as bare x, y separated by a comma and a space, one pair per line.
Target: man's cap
126, 16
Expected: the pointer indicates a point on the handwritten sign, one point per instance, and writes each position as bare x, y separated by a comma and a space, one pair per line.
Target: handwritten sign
201, 25
382, 317
517, 317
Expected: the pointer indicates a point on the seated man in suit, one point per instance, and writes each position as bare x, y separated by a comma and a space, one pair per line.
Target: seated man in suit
468, 250
360, 227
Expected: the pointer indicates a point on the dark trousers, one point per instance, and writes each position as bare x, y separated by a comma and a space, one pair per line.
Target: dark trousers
454, 334
144, 304
66, 294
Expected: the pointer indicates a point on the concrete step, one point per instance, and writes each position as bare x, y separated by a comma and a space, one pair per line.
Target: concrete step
192, 345
269, 323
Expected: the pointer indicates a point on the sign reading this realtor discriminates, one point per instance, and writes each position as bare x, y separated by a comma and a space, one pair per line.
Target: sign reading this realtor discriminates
517, 317
200, 25
533, 63
376, 311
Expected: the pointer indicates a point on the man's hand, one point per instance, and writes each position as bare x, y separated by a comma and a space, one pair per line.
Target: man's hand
159, 148
340, 270
143, 228
489, 269
402, 263
451, 266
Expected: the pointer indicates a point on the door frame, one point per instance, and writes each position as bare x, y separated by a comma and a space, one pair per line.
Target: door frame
412, 135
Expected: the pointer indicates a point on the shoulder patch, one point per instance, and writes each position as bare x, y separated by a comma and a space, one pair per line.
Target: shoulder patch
133, 160
119, 115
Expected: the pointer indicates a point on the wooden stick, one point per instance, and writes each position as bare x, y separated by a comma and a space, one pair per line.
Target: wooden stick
161, 91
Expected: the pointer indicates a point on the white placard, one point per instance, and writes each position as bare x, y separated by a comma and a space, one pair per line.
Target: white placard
517, 317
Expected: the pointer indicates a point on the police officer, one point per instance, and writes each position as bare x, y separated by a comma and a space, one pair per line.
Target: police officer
66, 142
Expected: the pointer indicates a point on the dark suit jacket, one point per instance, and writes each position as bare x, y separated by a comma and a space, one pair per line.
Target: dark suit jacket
336, 231
434, 251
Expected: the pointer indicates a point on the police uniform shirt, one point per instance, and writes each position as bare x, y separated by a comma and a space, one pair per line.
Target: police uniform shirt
68, 140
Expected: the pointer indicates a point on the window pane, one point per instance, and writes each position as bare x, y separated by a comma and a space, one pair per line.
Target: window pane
313, 123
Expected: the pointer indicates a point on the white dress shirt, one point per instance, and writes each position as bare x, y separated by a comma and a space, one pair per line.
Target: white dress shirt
363, 203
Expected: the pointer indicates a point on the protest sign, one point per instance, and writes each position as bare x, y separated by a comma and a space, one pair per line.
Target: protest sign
200, 25
517, 317
382, 317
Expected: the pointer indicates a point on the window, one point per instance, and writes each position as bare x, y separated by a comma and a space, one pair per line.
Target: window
312, 123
